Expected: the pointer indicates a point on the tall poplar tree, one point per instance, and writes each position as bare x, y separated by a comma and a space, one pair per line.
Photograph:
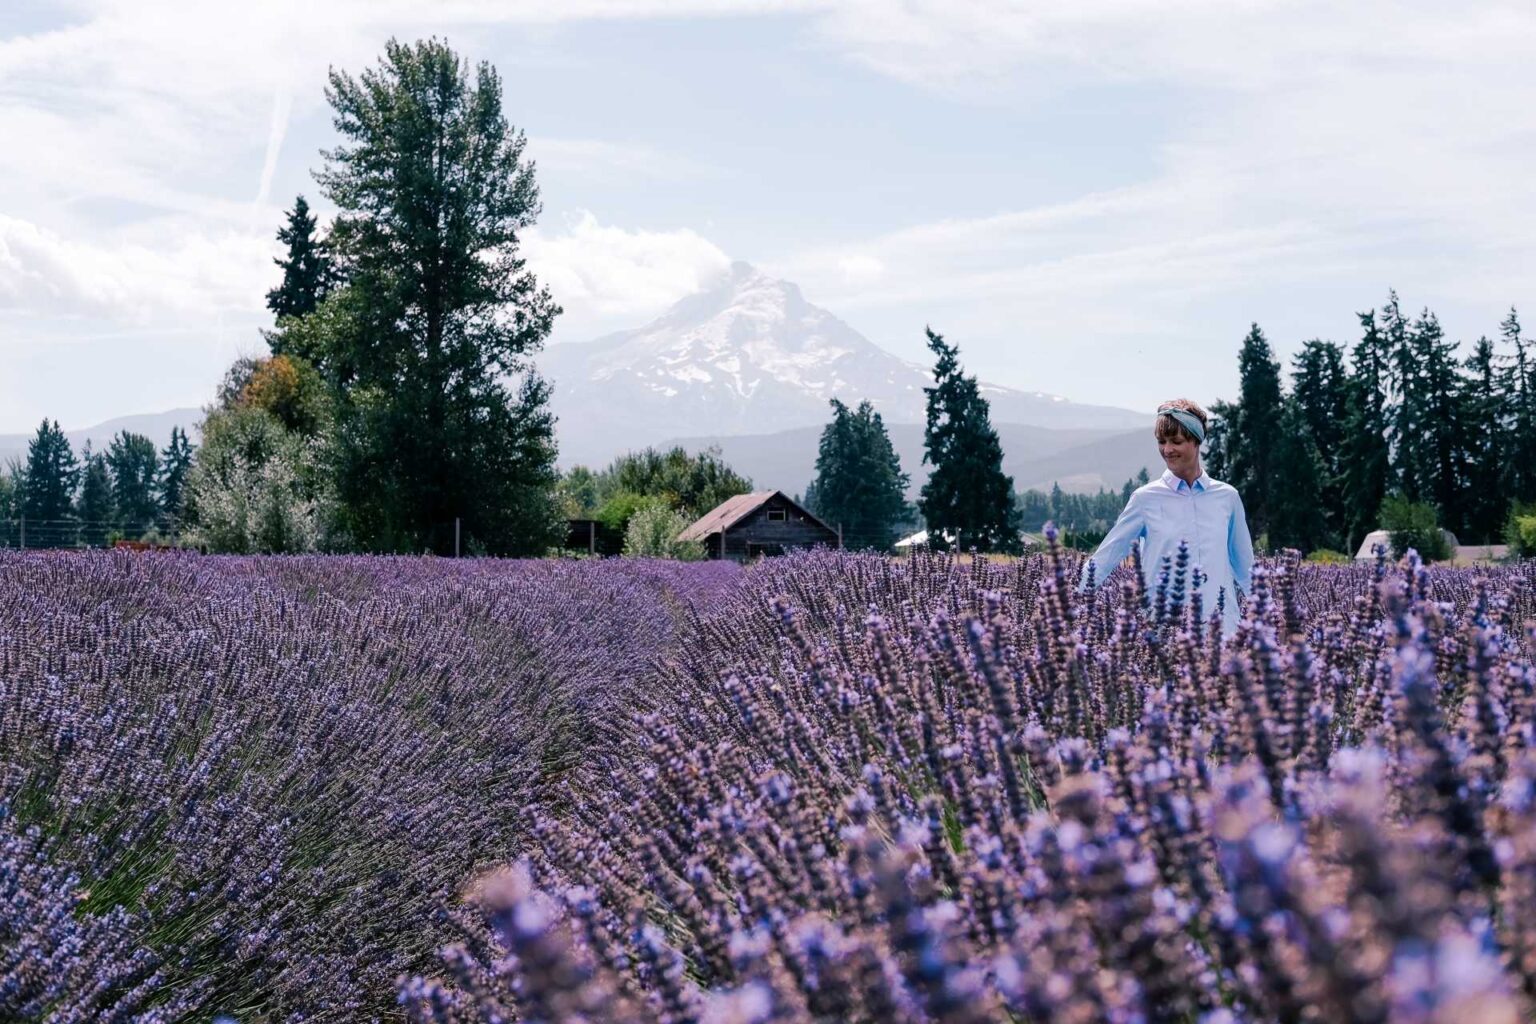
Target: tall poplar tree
439, 312
1250, 443
859, 484
967, 495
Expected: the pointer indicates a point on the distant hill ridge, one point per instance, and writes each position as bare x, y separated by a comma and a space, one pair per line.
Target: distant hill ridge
156, 426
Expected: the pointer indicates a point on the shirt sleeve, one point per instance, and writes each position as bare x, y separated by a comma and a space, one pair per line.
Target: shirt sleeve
1116, 544
1240, 545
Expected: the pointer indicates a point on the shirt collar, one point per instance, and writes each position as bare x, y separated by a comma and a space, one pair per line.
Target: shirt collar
1173, 483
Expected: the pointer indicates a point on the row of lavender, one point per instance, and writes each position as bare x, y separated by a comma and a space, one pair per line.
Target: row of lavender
252, 787
953, 791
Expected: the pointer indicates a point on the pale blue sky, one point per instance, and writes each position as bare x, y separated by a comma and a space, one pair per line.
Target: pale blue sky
1092, 198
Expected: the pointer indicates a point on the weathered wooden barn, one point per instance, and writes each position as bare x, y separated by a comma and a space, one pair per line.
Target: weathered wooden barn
758, 524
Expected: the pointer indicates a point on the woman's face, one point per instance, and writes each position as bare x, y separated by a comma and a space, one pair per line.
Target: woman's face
1180, 454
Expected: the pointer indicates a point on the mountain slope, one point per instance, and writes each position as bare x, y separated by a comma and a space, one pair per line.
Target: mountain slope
1082, 460
750, 356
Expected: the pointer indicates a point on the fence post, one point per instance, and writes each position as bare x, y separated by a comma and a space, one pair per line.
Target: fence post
23, 531
455, 536
839, 536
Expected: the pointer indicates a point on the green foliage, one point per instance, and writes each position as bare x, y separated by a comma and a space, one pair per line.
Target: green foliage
1328, 556
1364, 459
307, 273
7, 496
697, 483
1520, 530
967, 495
652, 532
1080, 515
170, 488
1320, 391
1216, 454
1249, 444
438, 314
1517, 388
1485, 445
94, 507
132, 460
1296, 506
692, 484
251, 488
48, 488
859, 484
1416, 525
290, 388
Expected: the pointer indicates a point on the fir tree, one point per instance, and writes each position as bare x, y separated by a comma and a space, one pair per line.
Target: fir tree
1485, 444
1296, 514
1436, 453
1320, 385
48, 488
967, 494
1518, 388
170, 488
306, 269
97, 516
1216, 453
132, 463
1364, 455
859, 484
1250, 443
1404, 384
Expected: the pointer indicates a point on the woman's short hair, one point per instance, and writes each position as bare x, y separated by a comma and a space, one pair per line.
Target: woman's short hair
1168, 428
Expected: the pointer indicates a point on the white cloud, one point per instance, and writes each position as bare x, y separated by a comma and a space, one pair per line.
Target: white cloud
595, 270
188, 273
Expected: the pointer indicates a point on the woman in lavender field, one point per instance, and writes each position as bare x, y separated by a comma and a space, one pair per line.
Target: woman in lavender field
1184, 504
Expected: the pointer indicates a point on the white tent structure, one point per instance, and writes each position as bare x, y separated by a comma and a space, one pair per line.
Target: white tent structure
1367, 552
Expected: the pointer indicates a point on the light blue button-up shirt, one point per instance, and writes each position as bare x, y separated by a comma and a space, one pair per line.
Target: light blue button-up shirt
1208, 515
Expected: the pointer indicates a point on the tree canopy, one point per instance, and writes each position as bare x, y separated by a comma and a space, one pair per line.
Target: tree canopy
859, 486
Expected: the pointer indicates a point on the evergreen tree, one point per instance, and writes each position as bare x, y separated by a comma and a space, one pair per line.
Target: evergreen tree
1436, 453
170, 488
1518, 388
1296, 512
97, 516
49, 488
859, 484
439, 311
1251, 438
1364, 455
1484, 445
132, 463
1216, 453
1320, 384
967, 494
306, 269
1404, 386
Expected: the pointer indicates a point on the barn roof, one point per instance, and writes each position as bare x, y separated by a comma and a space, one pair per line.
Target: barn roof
733, 510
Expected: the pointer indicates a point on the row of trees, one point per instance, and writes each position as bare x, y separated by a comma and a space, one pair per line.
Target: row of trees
57, 498
1400, 414
967, 501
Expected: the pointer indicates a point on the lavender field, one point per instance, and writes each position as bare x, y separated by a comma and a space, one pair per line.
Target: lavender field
825, 788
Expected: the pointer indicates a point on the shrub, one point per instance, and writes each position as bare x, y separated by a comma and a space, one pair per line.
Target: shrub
1414, 525
1520, 530
653, 533
1328, 556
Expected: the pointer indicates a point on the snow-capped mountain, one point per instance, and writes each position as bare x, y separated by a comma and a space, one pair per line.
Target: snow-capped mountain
751, 356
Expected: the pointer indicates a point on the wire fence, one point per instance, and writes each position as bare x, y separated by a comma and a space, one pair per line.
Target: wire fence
26, 532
